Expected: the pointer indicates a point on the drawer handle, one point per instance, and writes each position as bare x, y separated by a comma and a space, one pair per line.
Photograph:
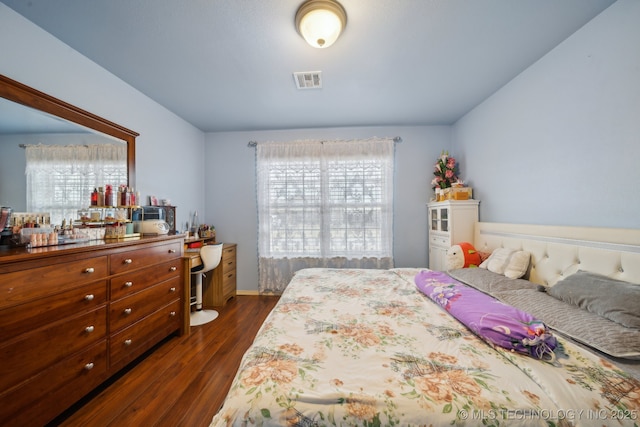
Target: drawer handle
89, 297
172, 314
127, 261
89, 329
172, 251
89, 366
127, 311
172, 289
89, 270
128, 342
128, 284
173, 268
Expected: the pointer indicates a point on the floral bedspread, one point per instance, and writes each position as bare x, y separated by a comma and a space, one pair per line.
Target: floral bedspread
350, 347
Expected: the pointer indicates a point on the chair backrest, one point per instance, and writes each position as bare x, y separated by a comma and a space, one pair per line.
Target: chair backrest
211, 255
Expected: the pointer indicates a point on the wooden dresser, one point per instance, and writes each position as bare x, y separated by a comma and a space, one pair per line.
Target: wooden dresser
223, 280
70, 317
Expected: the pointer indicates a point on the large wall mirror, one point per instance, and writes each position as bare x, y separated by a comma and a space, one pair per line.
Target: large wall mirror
26, 112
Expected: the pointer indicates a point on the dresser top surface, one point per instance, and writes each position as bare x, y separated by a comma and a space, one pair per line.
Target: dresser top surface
18, 254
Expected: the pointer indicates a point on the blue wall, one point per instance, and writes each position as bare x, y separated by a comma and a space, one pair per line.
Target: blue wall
560, 143
231, 200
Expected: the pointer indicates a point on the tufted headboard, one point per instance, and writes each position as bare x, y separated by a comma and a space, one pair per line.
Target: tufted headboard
558, 251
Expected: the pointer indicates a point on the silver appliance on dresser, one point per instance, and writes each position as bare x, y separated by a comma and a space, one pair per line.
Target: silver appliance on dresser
150, 220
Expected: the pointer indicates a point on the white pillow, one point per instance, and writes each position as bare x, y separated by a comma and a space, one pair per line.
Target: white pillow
508, 262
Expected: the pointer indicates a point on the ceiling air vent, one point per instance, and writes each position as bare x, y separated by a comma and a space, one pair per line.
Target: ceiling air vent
308, 80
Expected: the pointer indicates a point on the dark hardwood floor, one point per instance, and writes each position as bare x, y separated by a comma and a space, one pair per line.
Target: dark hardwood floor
183, 381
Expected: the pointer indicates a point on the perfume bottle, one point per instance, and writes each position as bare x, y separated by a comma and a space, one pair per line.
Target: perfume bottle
108, 196
100, 196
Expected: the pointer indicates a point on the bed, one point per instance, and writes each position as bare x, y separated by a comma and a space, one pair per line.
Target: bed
367, 348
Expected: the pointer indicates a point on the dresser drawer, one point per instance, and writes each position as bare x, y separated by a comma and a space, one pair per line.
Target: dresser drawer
228, 260
23, 318
440, 240
134, 307
228, 265
34, 351
134, 340
59, 385
27, 285
228, 281
130, 283
125, 261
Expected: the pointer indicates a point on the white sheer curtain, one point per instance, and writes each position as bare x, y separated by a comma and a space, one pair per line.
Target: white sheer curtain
323, 204
60, 178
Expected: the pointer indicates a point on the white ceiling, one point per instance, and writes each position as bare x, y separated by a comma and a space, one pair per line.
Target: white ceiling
226, 65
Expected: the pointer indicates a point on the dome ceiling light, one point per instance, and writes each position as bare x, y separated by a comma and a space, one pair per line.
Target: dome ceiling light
320, 22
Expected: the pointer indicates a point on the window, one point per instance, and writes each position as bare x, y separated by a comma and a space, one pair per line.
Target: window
60, 179
324, 204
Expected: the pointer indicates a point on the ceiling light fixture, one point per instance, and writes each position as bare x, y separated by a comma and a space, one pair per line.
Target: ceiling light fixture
320, 22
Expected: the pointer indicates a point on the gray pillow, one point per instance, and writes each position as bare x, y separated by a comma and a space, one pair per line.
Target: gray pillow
616, 300
587, 328
488, 281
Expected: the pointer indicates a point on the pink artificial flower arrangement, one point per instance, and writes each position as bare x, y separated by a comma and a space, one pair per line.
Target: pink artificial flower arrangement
445, 171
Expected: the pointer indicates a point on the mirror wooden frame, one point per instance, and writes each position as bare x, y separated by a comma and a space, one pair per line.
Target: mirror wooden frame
30, 97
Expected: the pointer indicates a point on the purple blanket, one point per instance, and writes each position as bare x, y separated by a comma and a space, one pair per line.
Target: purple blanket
496, 322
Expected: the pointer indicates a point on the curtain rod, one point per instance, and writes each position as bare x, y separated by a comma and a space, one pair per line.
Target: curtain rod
396, 139
53, 145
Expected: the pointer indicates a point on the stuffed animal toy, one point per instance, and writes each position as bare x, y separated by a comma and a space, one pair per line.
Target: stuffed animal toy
462, 255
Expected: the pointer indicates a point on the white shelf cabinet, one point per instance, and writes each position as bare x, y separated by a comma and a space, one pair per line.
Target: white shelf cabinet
450, 222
